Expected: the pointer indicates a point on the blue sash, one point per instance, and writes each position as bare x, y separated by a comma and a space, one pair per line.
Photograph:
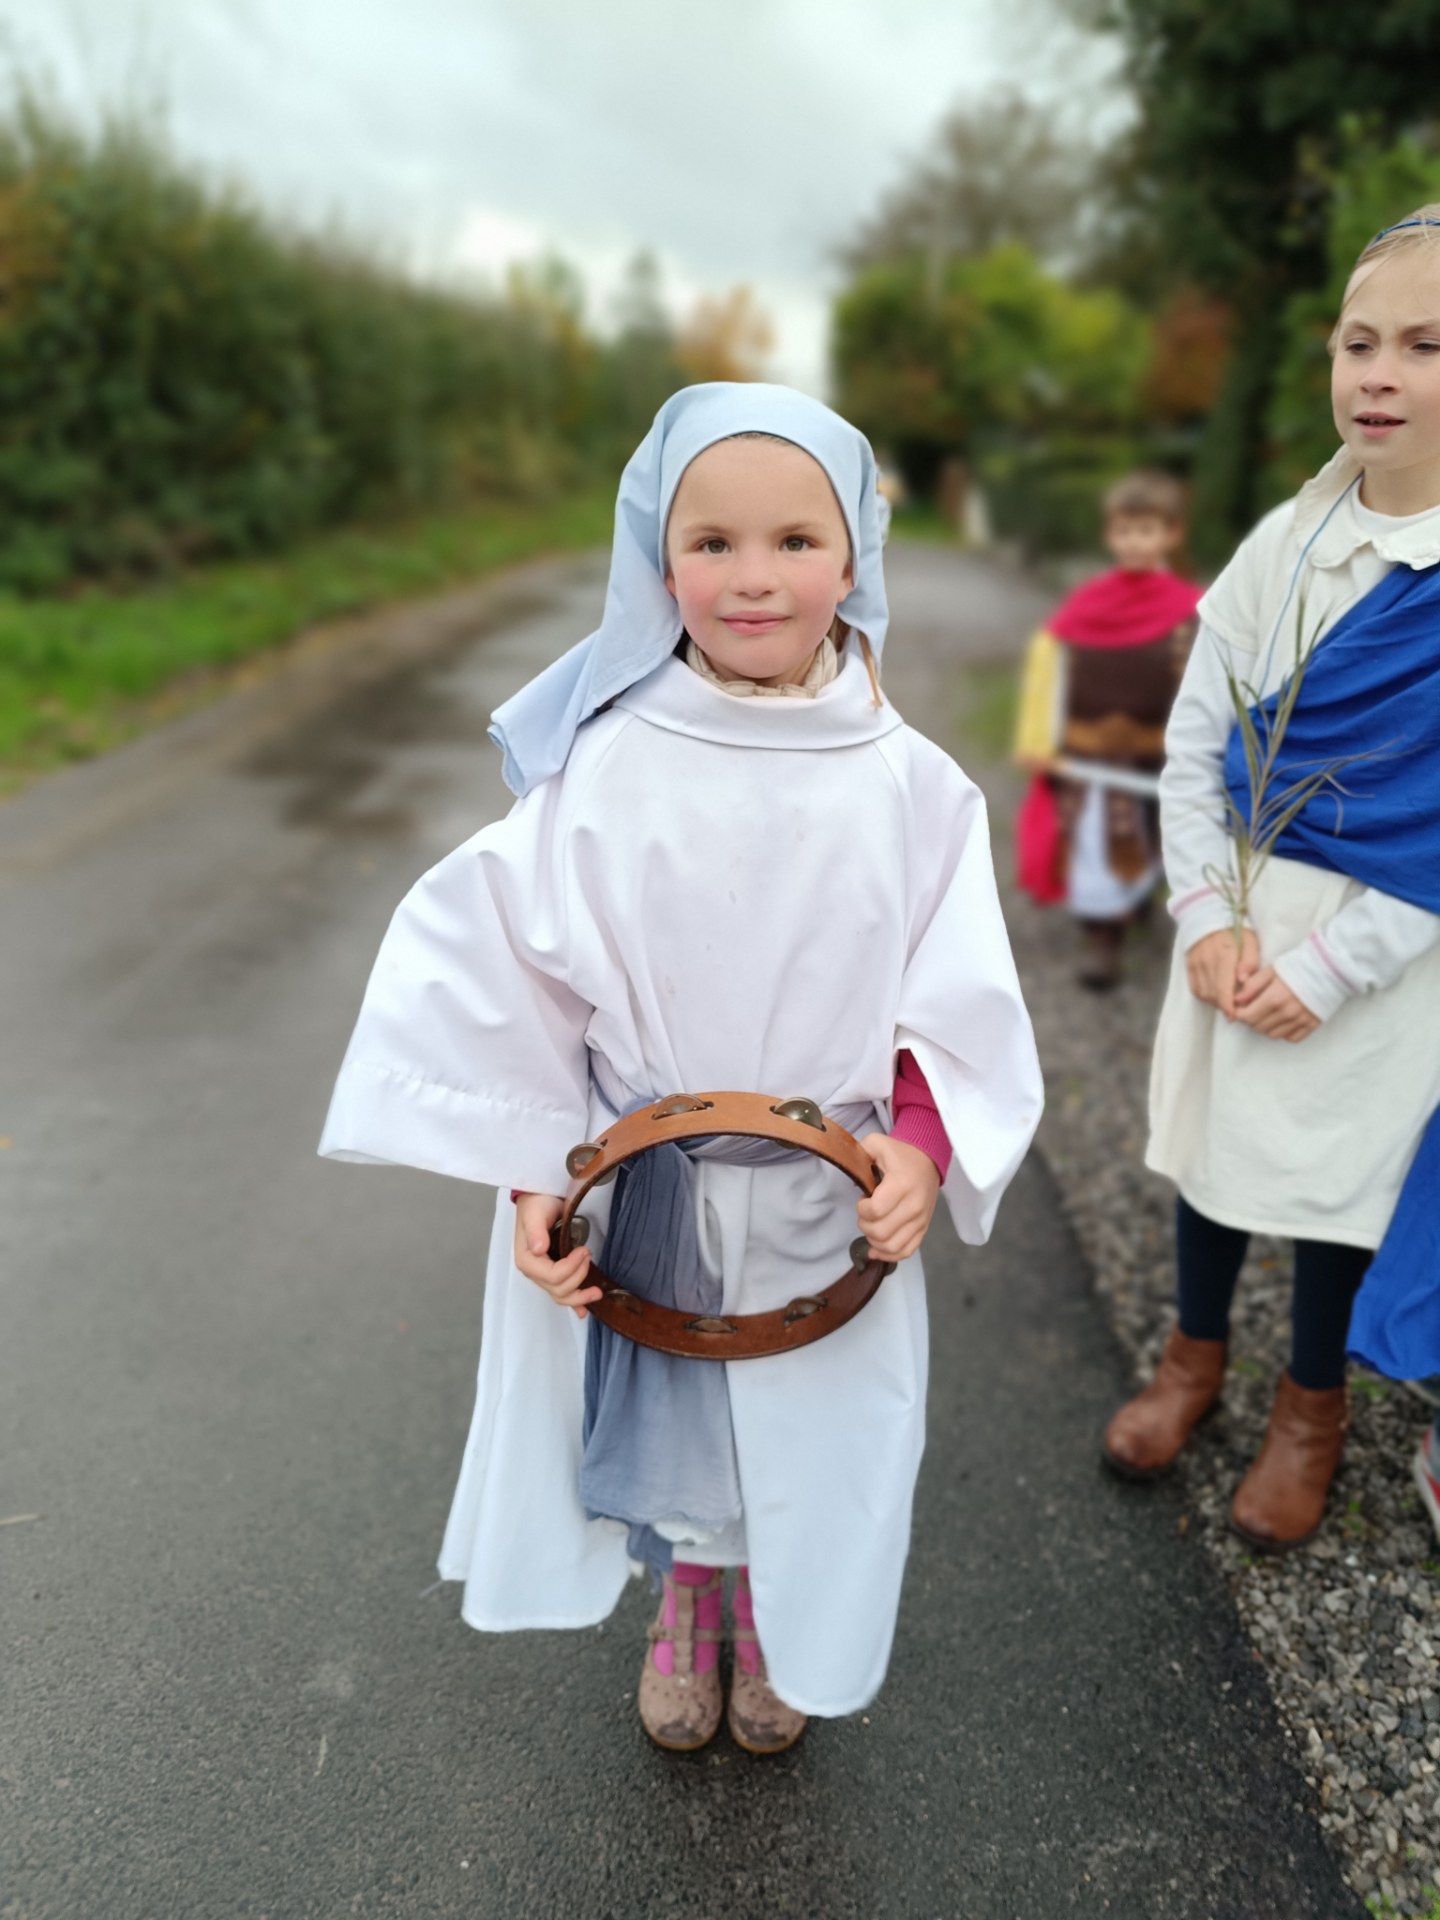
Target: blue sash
1372, 689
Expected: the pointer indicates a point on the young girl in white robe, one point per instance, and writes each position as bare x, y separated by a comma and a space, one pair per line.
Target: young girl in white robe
1296, 1076
730, 865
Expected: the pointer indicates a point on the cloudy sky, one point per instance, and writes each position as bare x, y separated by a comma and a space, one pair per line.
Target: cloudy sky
739, 140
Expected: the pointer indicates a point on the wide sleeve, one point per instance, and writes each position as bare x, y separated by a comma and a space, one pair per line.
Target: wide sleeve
1366, 946
469, 1056
960, 1010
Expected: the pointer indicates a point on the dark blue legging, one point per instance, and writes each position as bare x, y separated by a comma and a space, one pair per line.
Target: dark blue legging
1327, 1278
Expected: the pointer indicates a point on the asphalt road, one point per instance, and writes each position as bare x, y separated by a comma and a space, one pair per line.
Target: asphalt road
234, 1384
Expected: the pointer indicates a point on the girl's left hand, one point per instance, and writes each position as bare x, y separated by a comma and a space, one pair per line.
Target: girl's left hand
1269, 1007
895, 1217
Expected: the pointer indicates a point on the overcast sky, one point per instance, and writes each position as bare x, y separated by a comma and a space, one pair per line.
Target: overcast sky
739, 140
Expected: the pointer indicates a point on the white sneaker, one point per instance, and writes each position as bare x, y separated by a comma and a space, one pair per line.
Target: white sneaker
1424, 1469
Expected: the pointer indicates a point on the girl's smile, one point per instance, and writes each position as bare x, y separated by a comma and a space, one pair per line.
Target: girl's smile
753, 623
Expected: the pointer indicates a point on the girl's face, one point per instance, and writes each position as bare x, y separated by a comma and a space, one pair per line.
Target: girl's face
1385, 380
758, 558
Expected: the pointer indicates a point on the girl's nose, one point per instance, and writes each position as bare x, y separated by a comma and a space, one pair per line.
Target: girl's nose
755, 574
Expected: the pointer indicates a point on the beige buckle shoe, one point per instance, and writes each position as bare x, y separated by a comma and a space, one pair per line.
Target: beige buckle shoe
681, 1710
759, 1719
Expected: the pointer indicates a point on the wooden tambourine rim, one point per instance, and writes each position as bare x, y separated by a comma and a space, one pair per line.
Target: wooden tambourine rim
739, 1336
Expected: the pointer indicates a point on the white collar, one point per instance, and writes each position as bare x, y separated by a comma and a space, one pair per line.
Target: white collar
842, 714
1323, 510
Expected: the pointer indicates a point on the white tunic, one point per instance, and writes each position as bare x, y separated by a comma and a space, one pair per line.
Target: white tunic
1309, 1141
1093, 889
776, 895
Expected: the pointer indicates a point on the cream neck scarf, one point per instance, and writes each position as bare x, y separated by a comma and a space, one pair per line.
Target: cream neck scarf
822, 670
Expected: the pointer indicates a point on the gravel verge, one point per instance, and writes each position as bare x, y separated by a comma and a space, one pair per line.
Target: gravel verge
1348, 1628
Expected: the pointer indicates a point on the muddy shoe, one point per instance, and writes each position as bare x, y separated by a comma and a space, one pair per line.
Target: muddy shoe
680, 1710
759, 1719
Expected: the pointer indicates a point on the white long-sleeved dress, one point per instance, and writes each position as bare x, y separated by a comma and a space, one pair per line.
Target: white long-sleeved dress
1310, 1141
774, 895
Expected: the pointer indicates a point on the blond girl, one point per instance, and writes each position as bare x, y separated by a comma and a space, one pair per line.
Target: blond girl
1297, 1065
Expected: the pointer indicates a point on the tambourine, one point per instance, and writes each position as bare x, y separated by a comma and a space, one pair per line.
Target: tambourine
741, 1336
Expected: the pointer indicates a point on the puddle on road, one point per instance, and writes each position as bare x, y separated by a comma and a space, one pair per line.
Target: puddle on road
331, 758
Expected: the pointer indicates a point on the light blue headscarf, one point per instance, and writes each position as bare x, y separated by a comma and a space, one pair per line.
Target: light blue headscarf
641, 623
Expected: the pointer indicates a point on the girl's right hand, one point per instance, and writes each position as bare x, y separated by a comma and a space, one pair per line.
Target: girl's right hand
563, 1280
1217, 968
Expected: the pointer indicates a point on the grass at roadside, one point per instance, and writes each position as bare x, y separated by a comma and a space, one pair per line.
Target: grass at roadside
989, 700
923, 521
80, 674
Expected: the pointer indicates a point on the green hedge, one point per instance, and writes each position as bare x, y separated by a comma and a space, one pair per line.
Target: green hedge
180, 379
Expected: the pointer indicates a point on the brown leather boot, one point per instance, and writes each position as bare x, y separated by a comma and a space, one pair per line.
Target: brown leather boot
1145, 1436
1281, 1501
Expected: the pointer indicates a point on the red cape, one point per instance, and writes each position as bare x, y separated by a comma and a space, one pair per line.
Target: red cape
1123, 609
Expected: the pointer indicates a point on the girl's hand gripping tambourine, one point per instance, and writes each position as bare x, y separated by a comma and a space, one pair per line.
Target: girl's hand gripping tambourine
743, 1336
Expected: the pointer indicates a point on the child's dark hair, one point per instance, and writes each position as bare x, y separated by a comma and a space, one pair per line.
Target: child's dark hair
1147, 491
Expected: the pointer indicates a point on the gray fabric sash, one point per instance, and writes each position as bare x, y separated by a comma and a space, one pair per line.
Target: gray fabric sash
659, 1447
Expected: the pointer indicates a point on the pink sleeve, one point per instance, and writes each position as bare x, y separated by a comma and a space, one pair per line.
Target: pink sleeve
917, 1119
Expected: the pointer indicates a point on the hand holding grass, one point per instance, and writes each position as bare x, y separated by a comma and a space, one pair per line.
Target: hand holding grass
1224, 968
1221, 964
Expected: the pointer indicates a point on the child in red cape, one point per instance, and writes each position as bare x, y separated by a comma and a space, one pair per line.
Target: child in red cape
1098, 684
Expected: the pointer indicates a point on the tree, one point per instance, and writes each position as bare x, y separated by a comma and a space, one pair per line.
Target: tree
1001, 172
1190, 345
938, 362
641, 366
726, 337
1241, 107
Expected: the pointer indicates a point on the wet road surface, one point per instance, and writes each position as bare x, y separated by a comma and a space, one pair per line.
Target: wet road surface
235, 1381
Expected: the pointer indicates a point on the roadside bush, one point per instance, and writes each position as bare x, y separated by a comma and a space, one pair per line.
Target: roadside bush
182, 380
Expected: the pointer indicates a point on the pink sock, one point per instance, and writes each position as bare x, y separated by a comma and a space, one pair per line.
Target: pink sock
747, 1652
707, 1614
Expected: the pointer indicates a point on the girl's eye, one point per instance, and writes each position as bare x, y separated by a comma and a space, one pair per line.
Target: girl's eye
1357, 346
796, 543
714, 545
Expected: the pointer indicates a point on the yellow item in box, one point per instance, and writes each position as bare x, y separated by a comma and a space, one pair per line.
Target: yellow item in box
1040, 718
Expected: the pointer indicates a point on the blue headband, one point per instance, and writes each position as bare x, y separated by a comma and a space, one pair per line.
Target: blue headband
1398, 227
